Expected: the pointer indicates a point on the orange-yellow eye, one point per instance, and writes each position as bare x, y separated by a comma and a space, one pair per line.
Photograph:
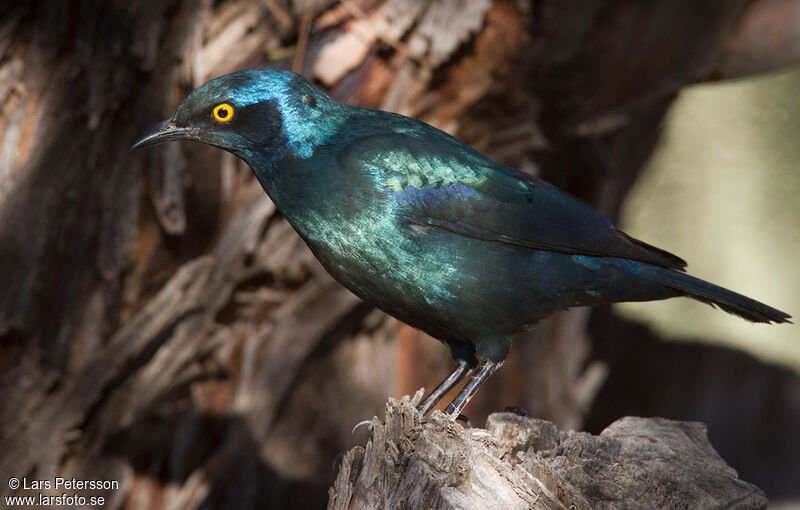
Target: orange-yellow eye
223, 112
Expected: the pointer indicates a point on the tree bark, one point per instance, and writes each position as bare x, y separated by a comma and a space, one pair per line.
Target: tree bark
527, 463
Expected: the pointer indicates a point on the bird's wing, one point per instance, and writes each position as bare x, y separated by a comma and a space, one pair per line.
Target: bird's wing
437, 181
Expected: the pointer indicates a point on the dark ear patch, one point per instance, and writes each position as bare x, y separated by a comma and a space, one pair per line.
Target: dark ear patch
259, 123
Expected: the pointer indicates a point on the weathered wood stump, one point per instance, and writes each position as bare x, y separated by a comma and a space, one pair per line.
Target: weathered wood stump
525, 463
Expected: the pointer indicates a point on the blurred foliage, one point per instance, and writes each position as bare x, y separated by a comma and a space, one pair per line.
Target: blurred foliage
723, 191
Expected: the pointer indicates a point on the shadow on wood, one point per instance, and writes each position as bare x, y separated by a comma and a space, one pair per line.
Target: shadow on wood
521, 462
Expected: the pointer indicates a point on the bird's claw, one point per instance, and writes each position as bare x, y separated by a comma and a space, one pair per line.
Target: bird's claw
361, 423
466, 421
516, 410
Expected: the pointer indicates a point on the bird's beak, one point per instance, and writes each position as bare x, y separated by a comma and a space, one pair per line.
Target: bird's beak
163, 132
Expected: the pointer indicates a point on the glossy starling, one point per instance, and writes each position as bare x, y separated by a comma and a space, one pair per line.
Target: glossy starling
426, 228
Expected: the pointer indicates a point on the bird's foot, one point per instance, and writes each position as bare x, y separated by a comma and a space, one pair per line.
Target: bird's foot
441, 390
484, 371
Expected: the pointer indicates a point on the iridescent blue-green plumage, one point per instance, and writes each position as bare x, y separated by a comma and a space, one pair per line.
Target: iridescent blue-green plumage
423, 226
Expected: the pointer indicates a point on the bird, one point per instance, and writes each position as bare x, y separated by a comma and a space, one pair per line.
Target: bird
426, 228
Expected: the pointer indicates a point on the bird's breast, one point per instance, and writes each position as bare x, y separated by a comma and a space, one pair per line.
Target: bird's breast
381, 260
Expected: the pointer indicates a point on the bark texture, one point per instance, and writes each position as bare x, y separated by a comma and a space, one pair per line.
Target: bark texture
526, 463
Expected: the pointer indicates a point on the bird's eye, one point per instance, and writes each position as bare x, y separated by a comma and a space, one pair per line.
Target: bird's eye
223, 112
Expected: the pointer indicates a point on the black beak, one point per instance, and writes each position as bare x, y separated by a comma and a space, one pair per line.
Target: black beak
163, 132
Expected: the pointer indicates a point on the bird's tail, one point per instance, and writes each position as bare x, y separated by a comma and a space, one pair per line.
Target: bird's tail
715, 295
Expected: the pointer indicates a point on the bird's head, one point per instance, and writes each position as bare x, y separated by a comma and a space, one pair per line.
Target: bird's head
257, 113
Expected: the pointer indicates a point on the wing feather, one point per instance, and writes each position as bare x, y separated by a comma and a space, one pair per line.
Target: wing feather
437, 181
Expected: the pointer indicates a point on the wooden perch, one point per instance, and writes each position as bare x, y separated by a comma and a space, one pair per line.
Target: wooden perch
526, 463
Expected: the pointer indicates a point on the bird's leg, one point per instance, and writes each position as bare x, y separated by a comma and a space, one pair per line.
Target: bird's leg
436, 395
485, 370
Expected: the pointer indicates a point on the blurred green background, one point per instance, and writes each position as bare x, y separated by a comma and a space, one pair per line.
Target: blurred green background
723, 191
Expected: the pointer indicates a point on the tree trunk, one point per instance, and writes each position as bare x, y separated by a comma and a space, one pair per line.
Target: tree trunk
527, 463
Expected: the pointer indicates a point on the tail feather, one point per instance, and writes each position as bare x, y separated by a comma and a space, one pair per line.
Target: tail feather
715, 295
